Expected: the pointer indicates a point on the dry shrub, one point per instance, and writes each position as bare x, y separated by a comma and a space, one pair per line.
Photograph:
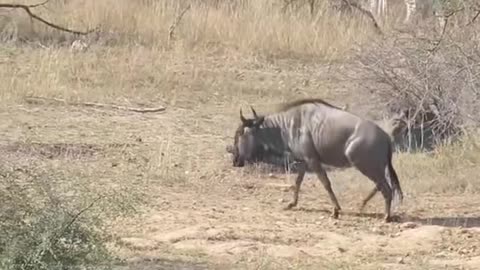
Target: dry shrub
431, 76
44, 227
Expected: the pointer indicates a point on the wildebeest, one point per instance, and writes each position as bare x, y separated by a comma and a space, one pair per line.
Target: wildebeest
316, 134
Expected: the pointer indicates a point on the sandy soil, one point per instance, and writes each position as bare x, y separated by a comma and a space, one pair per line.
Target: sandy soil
204, 214
234, 218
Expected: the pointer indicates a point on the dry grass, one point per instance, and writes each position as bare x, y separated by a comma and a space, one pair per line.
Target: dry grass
256, 27
196, 207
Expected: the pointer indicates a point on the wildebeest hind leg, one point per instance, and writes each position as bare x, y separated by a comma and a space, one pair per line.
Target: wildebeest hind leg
368, 198
387, 195
298, 182
382, 185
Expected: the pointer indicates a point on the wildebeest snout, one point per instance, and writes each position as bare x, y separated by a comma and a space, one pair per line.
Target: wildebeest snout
238, 162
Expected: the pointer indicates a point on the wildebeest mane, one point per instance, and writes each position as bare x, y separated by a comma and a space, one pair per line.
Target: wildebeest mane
299, 102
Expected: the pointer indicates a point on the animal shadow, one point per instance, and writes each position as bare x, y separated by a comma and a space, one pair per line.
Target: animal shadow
465, 222
310, 210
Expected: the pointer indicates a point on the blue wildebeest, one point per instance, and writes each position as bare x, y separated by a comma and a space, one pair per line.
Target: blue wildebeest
317, 133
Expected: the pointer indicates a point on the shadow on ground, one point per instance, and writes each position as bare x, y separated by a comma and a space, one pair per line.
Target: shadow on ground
465, 222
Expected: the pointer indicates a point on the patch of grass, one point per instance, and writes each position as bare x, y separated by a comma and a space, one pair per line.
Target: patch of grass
449, 169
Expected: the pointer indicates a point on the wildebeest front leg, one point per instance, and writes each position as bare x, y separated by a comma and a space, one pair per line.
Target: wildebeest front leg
298, 182
322, 175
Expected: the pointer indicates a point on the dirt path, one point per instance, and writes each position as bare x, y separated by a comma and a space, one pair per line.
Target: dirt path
248, 228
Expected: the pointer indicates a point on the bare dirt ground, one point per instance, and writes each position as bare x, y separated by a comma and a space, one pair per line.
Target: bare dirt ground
204, 214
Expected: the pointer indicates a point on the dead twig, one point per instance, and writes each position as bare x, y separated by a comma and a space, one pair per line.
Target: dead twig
445, 23
474, 17
171, 30
36, 100
32, 15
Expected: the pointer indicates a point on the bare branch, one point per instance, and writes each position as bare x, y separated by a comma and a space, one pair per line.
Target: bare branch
446, 18
39, 4
177, 21
36, 100
26, 8
76, 216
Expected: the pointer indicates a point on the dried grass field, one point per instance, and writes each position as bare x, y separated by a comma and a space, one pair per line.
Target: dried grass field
162, 186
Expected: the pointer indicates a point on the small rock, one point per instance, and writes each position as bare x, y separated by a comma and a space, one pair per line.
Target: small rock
342, 250
401, 260
442, 254
409, 225
281, 200
249, 186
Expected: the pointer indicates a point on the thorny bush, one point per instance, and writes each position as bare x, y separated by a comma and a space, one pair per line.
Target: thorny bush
431, 76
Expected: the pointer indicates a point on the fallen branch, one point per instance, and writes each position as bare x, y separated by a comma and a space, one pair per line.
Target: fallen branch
36, 100
27, 8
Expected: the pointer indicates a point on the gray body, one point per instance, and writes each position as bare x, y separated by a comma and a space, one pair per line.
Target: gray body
316, 133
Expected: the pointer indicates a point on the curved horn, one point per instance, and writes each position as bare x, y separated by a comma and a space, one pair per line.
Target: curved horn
254, 112
242, 117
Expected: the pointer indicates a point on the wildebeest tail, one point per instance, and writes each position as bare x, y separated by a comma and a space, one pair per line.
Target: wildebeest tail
392, 176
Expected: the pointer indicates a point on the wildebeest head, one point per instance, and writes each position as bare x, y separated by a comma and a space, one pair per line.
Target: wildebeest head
246, 144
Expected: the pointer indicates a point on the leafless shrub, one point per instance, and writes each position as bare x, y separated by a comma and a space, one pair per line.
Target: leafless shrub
433, 78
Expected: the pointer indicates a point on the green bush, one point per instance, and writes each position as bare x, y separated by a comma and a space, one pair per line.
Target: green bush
42, 228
